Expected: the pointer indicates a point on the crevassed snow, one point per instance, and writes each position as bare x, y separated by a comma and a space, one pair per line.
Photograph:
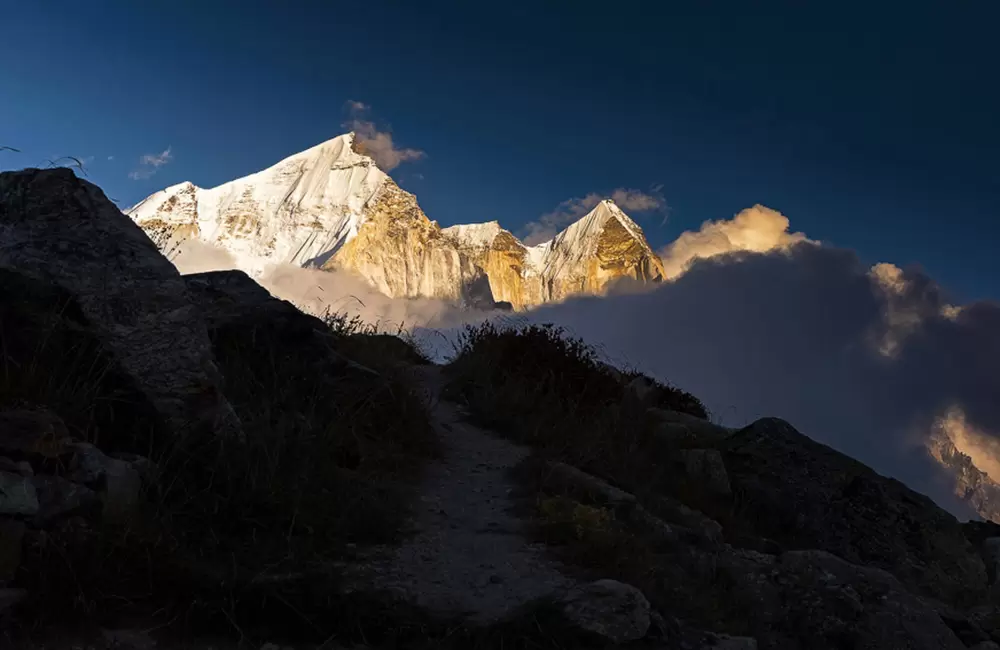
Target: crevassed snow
299, 211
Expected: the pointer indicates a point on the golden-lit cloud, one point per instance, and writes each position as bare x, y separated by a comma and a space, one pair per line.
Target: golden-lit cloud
758, 229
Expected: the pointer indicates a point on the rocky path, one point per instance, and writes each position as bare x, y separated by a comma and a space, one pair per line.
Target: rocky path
466, 554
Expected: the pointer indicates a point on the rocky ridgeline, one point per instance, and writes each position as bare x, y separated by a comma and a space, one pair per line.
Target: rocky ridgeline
775, 539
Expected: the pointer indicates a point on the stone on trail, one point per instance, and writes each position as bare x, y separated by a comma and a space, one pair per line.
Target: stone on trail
612, 610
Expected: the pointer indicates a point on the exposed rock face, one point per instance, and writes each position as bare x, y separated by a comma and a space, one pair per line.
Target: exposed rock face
61, 230
502, 257
599, 249
808, 495
972, 485
330, 207
707, 467
603, 247
402, 253
813, 599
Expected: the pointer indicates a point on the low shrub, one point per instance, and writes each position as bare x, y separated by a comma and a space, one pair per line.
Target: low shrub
549, 390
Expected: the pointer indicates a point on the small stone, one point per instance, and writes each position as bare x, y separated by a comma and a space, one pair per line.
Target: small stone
495, 579
141, 464
18, 495
726, 642
117, 480
609, 609
128, 640
122, 487
59, 498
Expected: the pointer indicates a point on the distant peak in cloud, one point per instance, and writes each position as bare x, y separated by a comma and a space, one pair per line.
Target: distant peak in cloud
758, 229
550, 223
150, 163
375, 142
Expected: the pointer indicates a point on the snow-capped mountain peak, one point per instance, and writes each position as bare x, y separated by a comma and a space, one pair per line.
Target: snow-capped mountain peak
299, 211
331, 207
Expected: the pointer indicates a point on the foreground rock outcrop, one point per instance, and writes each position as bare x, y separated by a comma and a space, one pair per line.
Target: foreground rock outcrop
807, 495
63, 231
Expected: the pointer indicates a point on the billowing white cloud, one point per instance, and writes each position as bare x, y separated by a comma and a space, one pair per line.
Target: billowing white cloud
375, 142
550, 223
150, 163
797, 333
757, 229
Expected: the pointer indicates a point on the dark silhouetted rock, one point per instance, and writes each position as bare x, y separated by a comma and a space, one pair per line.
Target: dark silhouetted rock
804, 494
62, 230
813, 599
17, 495
674, 429
59, 498
706, 468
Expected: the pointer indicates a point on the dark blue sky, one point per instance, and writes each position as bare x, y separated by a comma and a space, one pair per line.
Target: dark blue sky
872, 126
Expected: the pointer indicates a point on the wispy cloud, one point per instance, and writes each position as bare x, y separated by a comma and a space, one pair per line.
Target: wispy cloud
550, 223
356, 107
111, 157
150, 163
375, 142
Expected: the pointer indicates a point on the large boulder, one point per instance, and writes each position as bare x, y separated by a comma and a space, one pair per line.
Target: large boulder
806, 495
813, 599
63, 231
608, 609
706, 468
17, 495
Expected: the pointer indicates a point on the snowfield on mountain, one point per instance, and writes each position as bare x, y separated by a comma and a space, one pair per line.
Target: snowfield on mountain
331, 207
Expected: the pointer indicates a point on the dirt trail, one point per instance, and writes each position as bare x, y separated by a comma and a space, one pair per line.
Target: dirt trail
466, 555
